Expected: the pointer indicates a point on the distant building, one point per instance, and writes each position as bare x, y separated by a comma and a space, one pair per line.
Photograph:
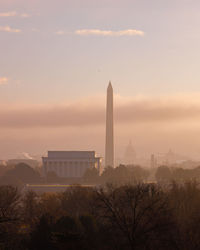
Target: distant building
70, 164
31, 162
153, 161
130, 155
171, 157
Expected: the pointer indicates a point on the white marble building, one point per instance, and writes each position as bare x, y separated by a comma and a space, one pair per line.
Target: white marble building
70, 164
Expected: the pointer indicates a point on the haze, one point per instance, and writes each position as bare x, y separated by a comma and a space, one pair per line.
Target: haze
58, 56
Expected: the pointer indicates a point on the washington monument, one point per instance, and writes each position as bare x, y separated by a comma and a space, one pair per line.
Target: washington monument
109, 152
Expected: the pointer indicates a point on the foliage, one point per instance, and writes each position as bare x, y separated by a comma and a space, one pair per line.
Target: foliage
20, 174
91, 175
163, 174
137, 217
123, 175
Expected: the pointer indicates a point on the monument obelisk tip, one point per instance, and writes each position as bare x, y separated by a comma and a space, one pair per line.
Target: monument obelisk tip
110, 84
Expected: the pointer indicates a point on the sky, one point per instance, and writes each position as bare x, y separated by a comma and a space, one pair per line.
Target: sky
57, 57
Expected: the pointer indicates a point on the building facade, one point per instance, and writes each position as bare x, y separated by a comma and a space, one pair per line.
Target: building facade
130, 155
70, 164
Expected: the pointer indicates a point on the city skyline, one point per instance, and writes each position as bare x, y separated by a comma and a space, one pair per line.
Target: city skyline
99, 124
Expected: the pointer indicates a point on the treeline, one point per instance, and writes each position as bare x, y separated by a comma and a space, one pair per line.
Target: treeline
166, 174
135, 217
22, 174
119, 175
136, 174
19, 175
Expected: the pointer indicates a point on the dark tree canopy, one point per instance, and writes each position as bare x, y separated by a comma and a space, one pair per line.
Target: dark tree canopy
22, 172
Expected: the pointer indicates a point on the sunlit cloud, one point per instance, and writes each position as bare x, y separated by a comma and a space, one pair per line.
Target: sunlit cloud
97, 32
14, 14
9, 29
8, 14
3, 80
24, 15
60, 32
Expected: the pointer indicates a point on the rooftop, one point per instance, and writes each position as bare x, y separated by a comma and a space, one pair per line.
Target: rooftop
71, 154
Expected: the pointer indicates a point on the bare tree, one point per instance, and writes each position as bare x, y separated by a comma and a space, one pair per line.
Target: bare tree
139, 214
31, 209
9, 203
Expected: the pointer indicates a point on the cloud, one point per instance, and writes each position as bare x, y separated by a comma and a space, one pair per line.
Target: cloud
3, 80
9, 29
8, 14
97, 32
14, 14
143, 110
60, 32
24, 15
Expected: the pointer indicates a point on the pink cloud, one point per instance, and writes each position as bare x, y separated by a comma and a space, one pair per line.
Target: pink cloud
3, 80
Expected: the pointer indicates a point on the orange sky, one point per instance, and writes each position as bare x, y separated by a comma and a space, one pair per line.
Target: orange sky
57, 58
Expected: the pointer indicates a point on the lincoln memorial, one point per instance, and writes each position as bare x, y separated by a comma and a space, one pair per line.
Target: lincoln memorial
70, 164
